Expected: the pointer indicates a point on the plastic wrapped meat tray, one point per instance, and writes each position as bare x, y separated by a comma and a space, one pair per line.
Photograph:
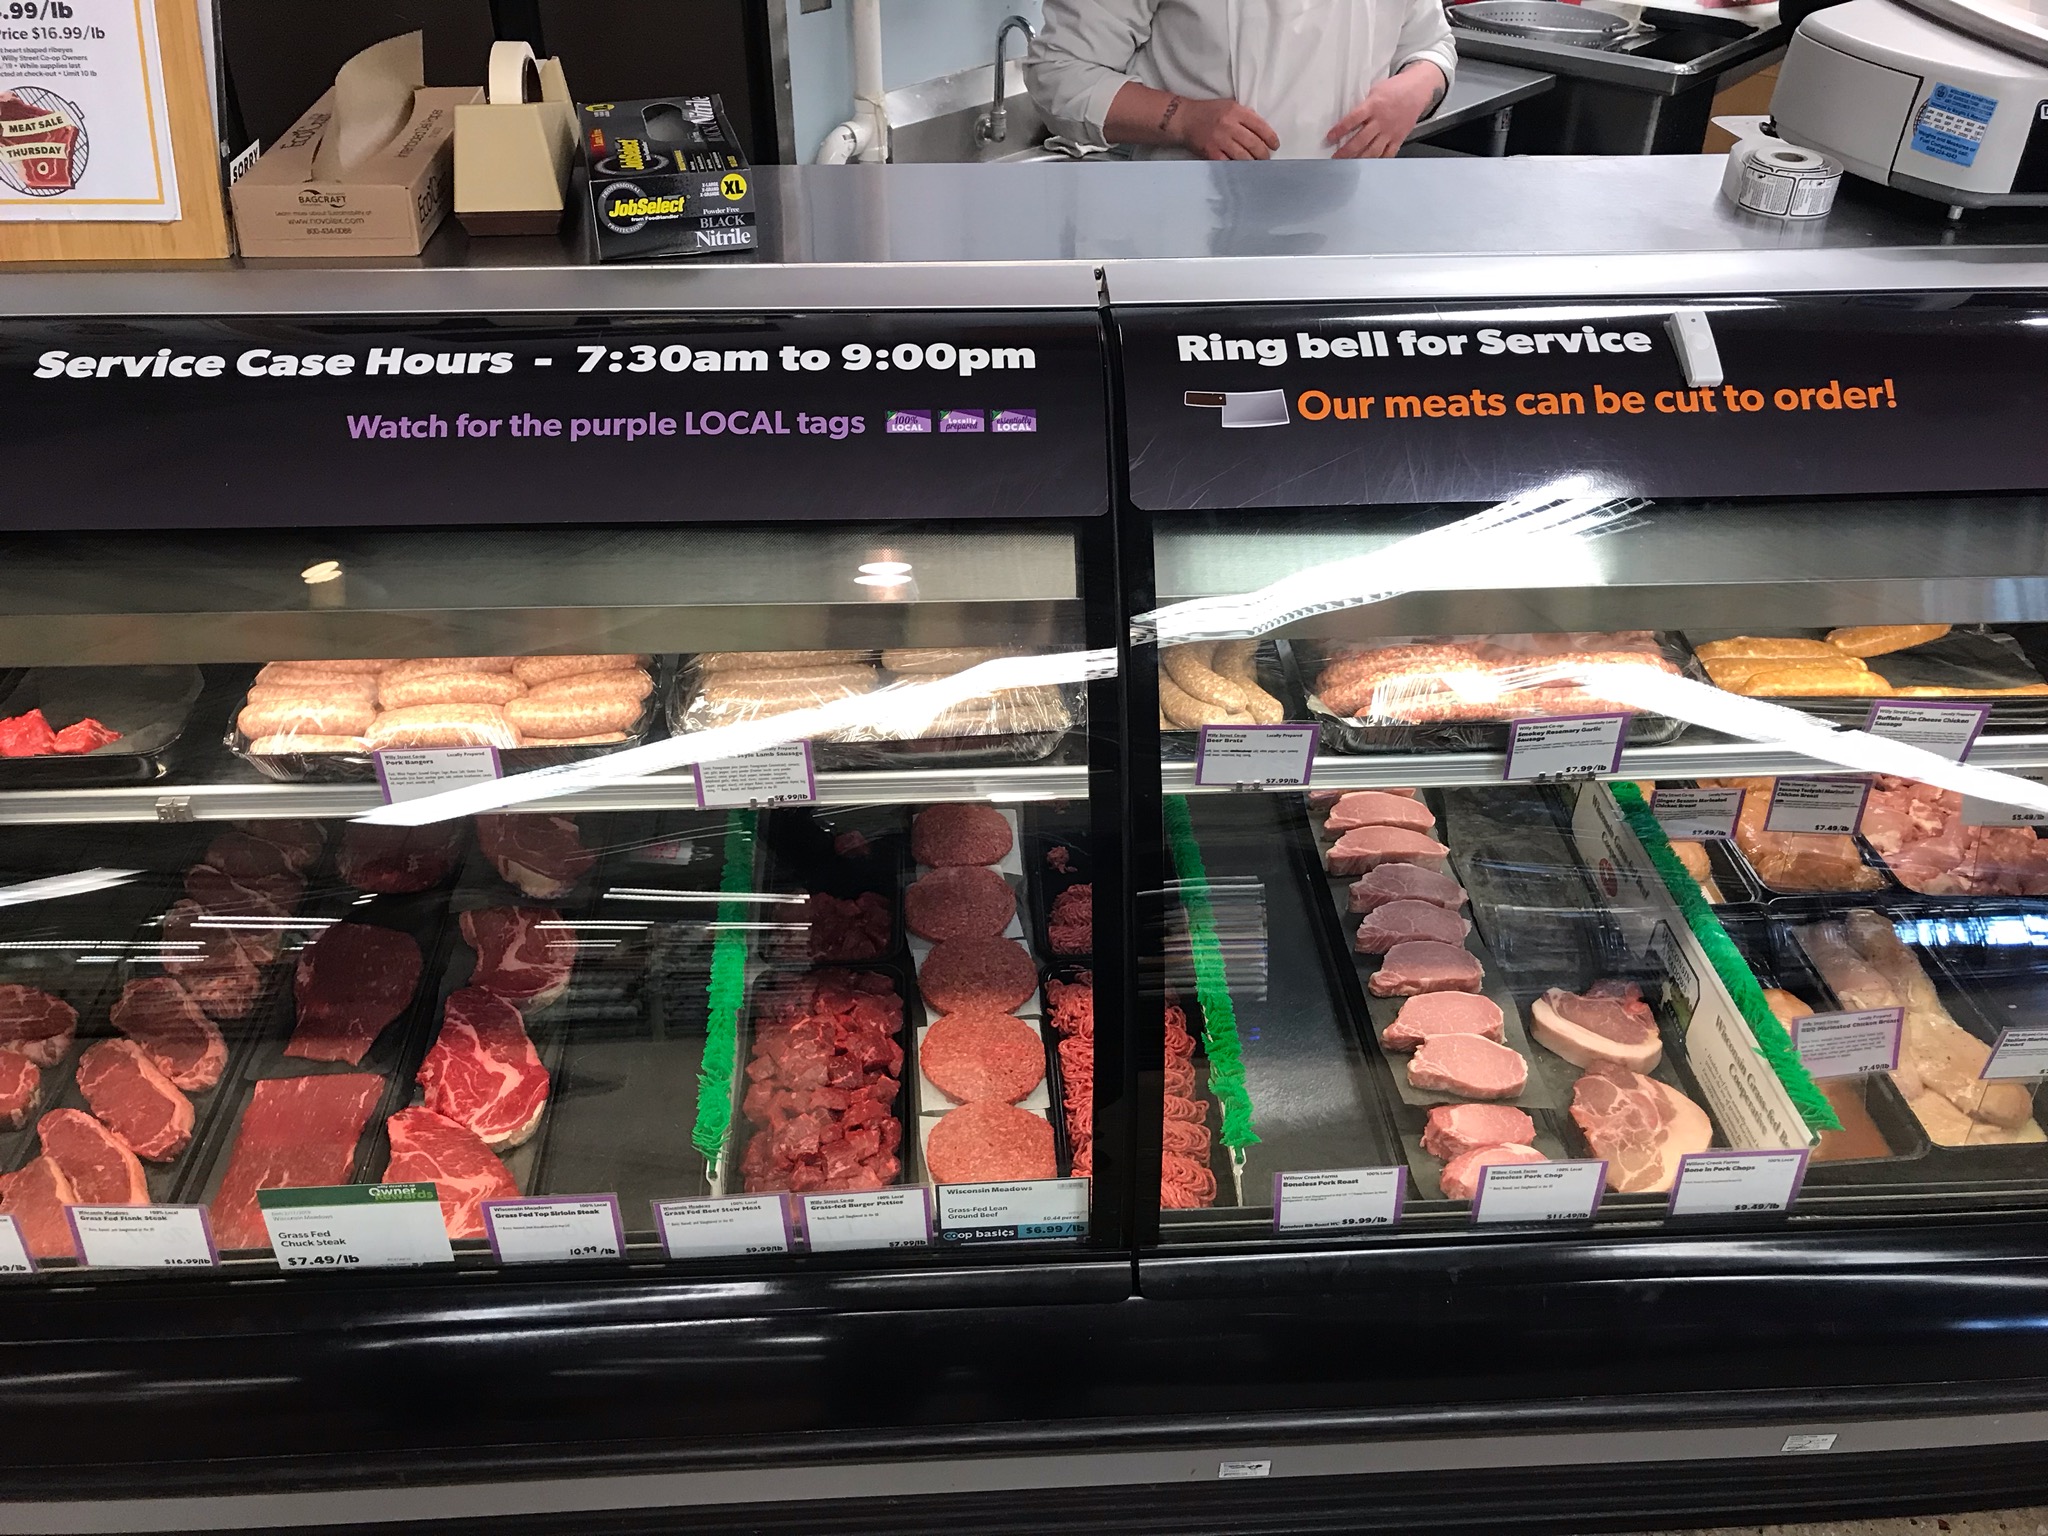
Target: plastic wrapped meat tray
150, 706
1950, 667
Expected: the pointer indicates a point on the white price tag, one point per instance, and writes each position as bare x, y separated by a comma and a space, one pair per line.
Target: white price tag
1994, 813
1021, 1211
1565, 746
415, 774
1947, 730
1736, 1183
1539, 1191
142, 1236
1697, 815
2019, 1053
1849, 1044
14, 1254
554, 1230
1340, 1197
723, 1228
356, 1226
1818, 805
882, 1218
777, 775
1257, 756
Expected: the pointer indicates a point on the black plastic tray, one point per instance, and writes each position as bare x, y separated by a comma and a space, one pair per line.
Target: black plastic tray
150, 706
1048, 826
801, 845
1963, 658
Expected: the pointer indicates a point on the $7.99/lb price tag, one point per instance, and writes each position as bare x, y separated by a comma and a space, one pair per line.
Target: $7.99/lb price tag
1339, 1198
1256, 756
882, 1218
1737, 1183
1565, 746
555, 1230
1816, 806
734, 1226
348, 1226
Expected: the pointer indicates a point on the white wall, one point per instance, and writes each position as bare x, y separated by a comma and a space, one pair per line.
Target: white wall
920, 39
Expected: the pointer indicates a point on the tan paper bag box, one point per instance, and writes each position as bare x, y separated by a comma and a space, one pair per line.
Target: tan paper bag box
512, 154
368, 171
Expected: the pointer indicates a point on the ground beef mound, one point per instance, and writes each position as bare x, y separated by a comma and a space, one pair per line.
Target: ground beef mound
972, 1056
977, 976
1071, 926
988, 1141
960, 834
962, 901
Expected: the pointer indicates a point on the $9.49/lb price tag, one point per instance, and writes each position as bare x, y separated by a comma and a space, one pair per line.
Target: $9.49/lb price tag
1256, 756
2019, 1053
14, 1255
1539, 1191
1849, 1044
732, 1227
1349, 1198
882, 1218
1565, 746
1736, 1183
555, 1230
1816, 806
777, 775
142, 1236
351, 1226
1697, 815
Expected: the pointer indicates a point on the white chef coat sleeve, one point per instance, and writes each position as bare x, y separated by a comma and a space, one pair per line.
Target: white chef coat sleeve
1425, 34
1082, 56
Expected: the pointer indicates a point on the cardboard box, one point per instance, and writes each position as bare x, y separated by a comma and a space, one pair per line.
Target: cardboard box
512, 153
667, 179
369, 170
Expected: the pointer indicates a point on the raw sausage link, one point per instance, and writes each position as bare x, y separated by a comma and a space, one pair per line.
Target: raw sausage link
941, 659
535, 670
602, 739
364, 688
634, 685
742, 661
279, 746
1188, 666
448, 688
735, 682
1238, 661
315, 717
1186, 712
442, 725
312, 674
427, 666
553, 719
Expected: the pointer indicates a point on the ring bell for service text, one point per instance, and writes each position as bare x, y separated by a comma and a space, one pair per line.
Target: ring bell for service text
667, 178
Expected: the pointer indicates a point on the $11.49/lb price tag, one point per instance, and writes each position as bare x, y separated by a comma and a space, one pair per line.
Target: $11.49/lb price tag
1544, 1192
1817, 806
777, 775
1737, 1183
882, 1218
1256, 756
555, 1230
142, 1236
1349, 1198
723, 1228
356, 1226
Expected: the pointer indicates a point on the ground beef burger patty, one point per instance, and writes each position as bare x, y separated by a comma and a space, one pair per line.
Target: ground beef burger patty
960, 834
989, 1141
977, 976
961, 901
972, 1056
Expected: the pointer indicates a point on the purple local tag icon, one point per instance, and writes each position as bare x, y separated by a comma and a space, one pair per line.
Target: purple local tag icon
962, 421
1016, 421
910, 421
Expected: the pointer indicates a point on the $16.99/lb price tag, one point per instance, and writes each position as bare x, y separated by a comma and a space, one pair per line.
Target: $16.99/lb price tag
1736, 1183
1349, 1198
555, 1230
142, 1236
351, 1226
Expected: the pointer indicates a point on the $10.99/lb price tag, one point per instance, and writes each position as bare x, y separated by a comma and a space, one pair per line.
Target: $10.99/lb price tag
1737, 1183
735, 1226
356, 1226
555, 1230
1347, 1198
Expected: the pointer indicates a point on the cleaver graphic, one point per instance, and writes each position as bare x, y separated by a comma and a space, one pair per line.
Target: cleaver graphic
1244, 408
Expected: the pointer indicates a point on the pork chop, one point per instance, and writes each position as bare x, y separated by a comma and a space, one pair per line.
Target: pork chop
1405, 882
1430, 1014
1452, 1130
1400, 921
1365, 848
1460, 1178
1377, 808
1426, 965
1641, 1127
1591, 1027
1468, 1065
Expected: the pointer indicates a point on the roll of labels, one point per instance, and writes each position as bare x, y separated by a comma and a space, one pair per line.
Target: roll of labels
1768, 176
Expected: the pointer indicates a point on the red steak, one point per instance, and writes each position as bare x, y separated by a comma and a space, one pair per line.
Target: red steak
352, 981
959, 901
1430, 1014
522, 953
427, 1148
483, 1072
1469, 1066
859, 929
297, 1133
542, 855
240, 856
35, 1198
1367, 848
1405, 882
299, 841
257, 896
132, 1098
1452, 1130
1377, 808
822, 1084
21, 1088
1608, 1022
1460, 1178
35, 1024
161, 1017
396, 861
98, 1162
1426, 965
1400, 921
1639, 1125
217, 938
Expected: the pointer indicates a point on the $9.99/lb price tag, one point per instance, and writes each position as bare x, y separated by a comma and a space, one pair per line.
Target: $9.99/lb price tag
142, 1236
356, 1226
1816, 806
1737, 1183
555, 1230
1350, 1198
1524, 1192
1256, 756
731, 1227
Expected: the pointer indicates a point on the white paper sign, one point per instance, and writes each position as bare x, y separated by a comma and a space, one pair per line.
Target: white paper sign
882, 1218
1697, 815
1736, 1183
1539, 1191
1818, 805
1993, 813
555, 1230
2020, 1053
14, 1254
414, 773
1341, 1197
1947, 730
723, 1228
142, 1236
87, 134
1563, 746
1264, 756
356, 1226
1024, 1210
1849, 1044
777, 775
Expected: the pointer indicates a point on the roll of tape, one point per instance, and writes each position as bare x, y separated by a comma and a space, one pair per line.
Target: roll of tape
514, 76
1768, 176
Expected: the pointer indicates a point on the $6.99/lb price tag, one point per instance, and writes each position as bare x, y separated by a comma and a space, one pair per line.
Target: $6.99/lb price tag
555, 1230
349, 1226
1353, 1198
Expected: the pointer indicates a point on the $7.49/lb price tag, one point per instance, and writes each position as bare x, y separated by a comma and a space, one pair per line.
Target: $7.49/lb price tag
1849, 1044
349, 1226
142, 1236
1256, 756
722, 1228
1351, 1198
555, 1230
1816, 806
1697, 815
1737, 1183
777, 775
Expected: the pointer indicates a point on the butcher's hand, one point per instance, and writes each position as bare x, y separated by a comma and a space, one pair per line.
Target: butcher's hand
1378, 126
1223, 129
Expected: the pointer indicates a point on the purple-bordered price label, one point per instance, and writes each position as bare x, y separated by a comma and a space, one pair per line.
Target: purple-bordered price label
15, 1259
1256, 756
723, 1228
1947, 730
1565, 746
881, 1218
1994, 813
1350, 1199
555, 1229
1737, 1183
777, 775
1828, 805
414, 773
1539, 1192
2021, 1052
1697, 815
1851, 1044
142, 1236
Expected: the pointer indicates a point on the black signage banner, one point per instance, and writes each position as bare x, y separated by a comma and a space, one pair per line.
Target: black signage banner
1326, 406
304, 422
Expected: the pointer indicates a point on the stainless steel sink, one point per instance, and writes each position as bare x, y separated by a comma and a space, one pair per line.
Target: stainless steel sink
934, 121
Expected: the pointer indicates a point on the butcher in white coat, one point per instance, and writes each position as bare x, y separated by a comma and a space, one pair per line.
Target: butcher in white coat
1241, 79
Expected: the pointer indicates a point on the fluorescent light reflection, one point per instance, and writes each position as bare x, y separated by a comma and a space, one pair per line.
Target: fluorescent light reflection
56, 887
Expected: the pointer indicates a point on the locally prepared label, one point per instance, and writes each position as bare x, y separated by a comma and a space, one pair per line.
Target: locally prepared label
142, 1236
2020, 1052
1025, 1210
1339, 1197
555, 1230
882, 1218
777, 775
1736, 1183
415, 774
1265, 756
1565, 746
734, 1226
1947, 730
356, 1226
1697, 815
1816, 805
1849, 1044
1539, 1191
14, 1255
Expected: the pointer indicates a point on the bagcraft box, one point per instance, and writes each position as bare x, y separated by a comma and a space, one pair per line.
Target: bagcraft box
667, 178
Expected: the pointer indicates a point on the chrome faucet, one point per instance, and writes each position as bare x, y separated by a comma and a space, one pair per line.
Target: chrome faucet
994, 124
